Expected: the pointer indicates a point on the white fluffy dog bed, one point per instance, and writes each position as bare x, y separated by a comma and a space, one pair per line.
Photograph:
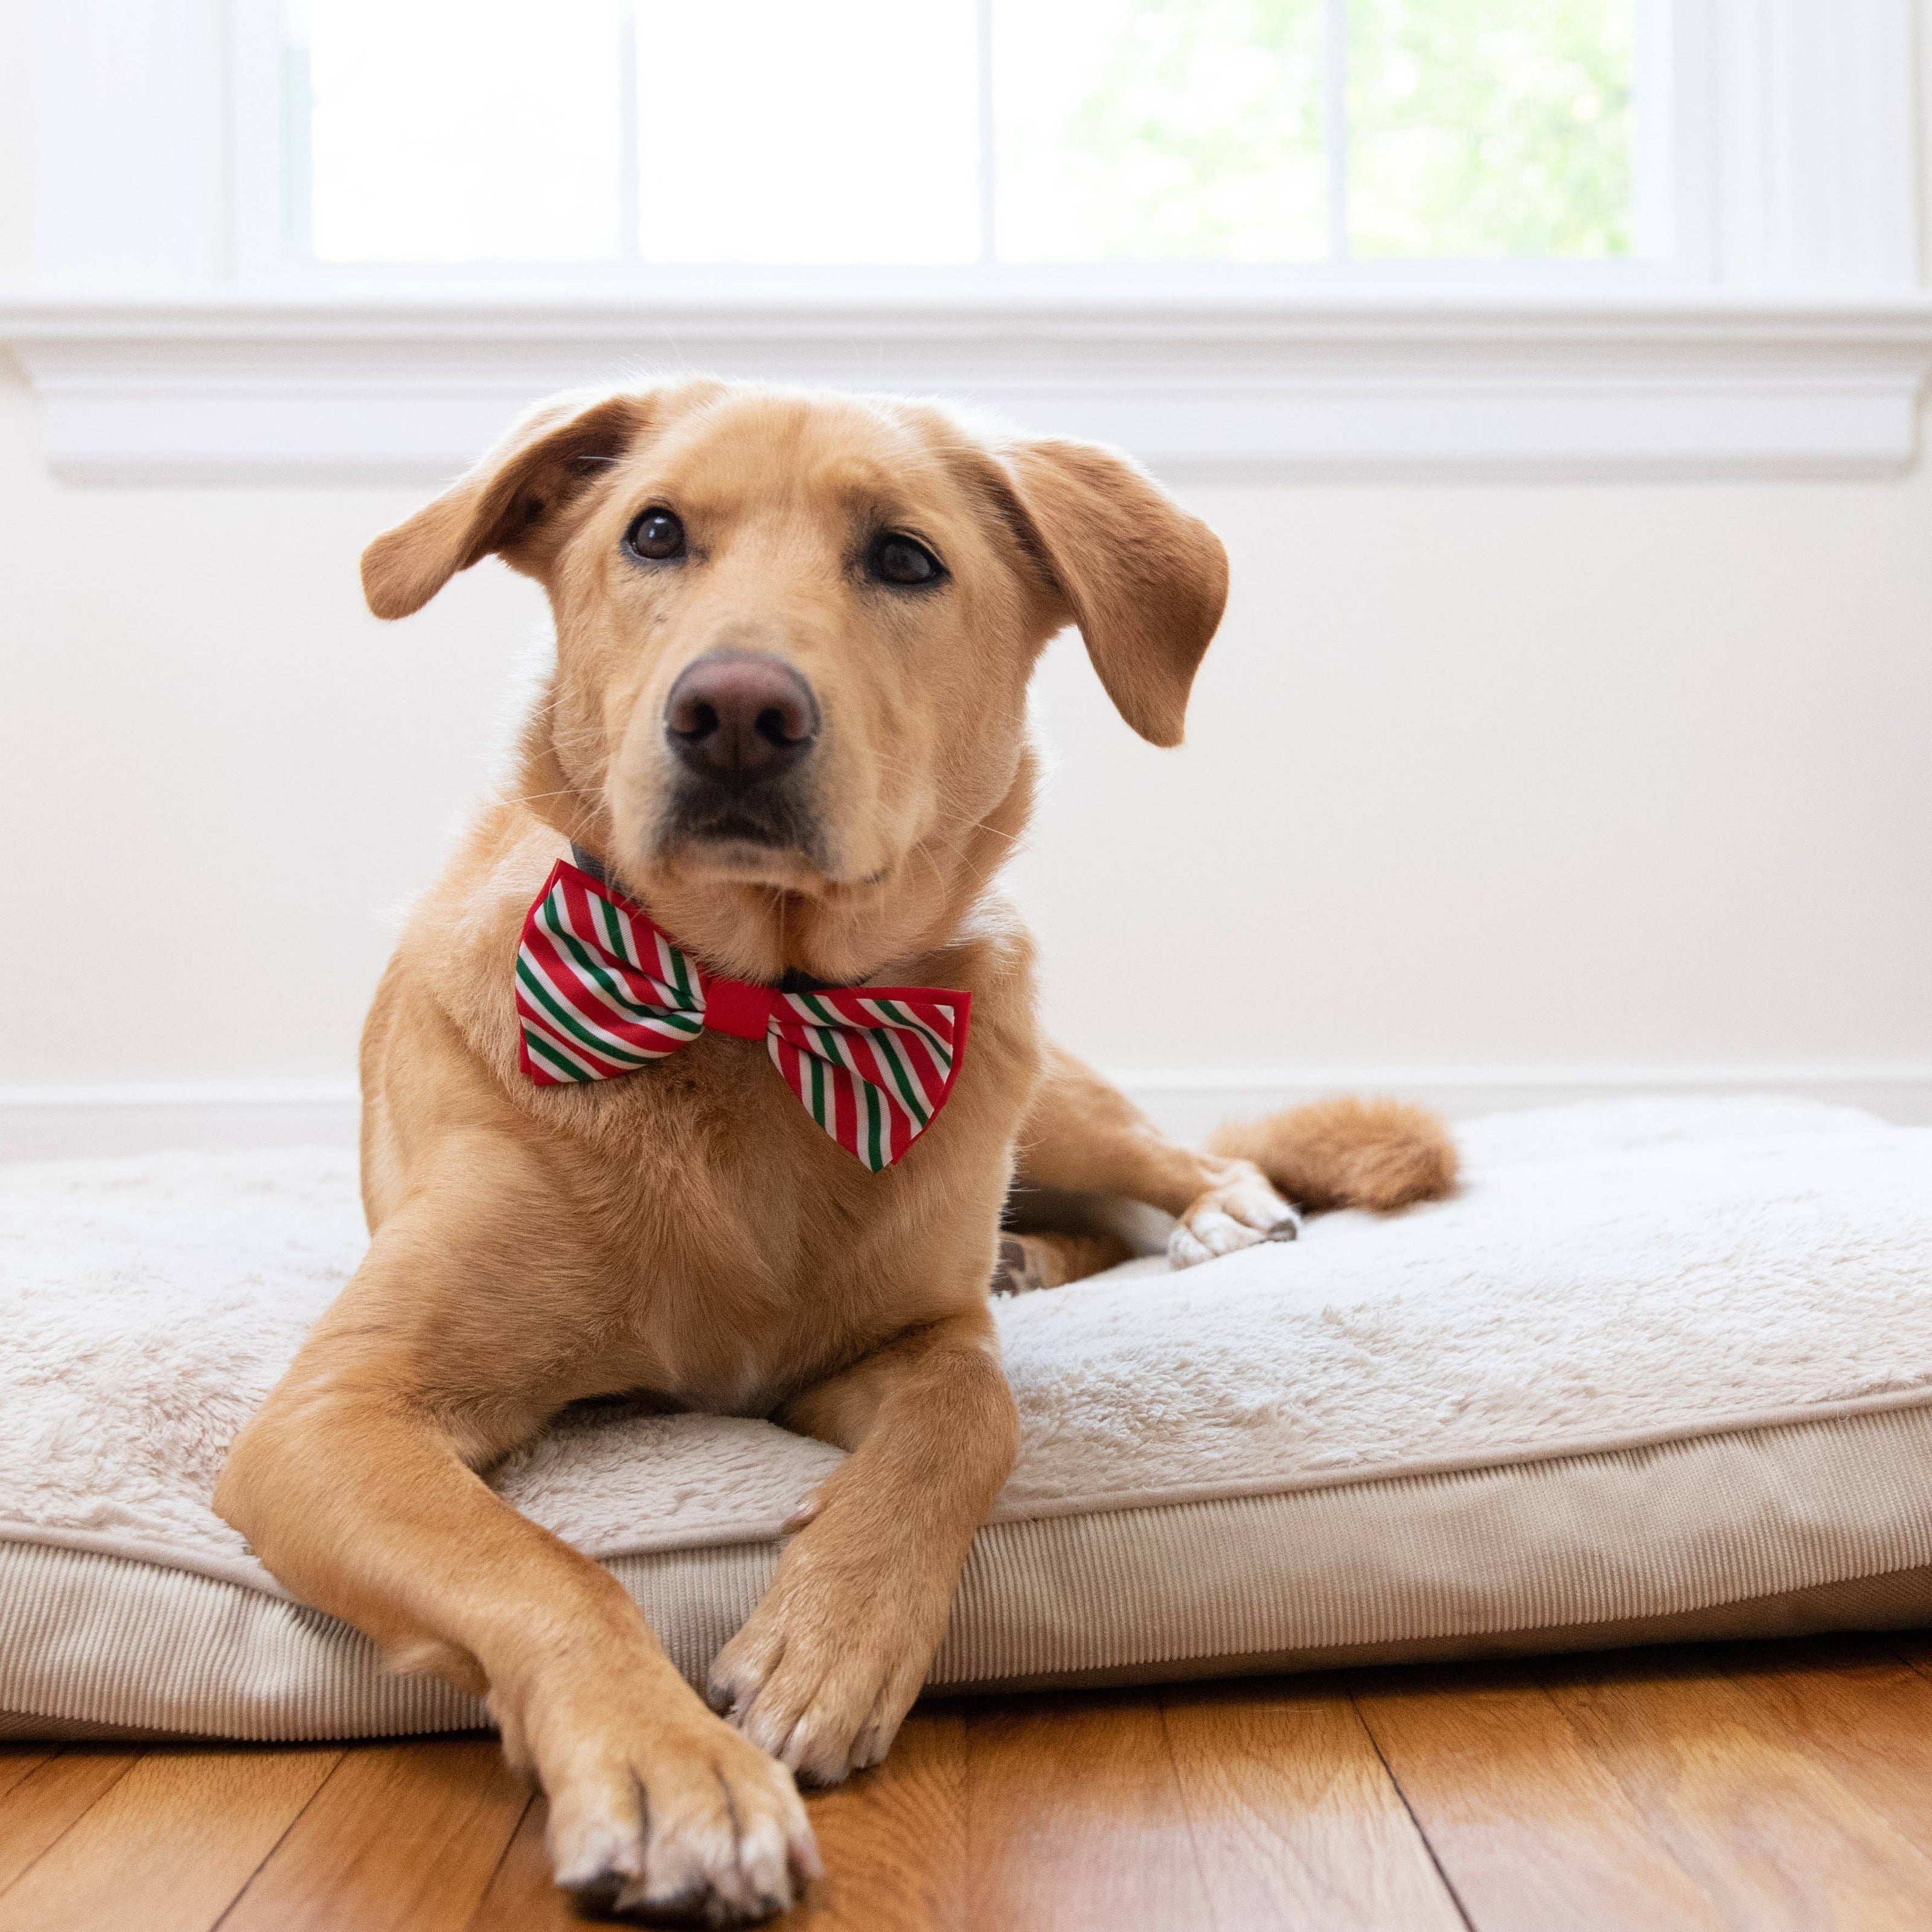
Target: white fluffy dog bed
1660, 1369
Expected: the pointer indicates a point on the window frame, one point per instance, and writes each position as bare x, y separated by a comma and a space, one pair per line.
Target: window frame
1789, 333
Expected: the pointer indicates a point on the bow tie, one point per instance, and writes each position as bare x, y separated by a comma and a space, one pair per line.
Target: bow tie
603, 990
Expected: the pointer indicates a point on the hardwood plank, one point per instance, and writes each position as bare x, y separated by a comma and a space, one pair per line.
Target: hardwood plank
1762, 1823
1075, 1820
406, 1835
1912, 1648
19, 1761
1857, 1706
46, 1804
520, 1896
1295, 1819
894, 1839
177, 1836
1530, 1828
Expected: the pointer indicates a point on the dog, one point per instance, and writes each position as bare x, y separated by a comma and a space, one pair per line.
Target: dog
786, 735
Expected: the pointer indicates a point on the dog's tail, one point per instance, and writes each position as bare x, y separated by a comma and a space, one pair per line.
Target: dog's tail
1348, 1153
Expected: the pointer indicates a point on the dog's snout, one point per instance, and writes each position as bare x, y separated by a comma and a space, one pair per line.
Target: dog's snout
740, 716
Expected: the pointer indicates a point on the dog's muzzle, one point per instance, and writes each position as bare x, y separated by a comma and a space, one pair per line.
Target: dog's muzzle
742, 725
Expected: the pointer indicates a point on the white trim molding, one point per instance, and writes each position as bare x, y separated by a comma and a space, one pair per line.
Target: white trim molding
66, 1122
1230, 387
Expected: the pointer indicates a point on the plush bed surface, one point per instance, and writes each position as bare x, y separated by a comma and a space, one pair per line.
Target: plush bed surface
1656, 1360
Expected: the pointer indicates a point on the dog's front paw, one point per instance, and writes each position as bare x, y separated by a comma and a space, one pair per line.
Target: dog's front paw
681, 1820
826, 1668
1239, 1209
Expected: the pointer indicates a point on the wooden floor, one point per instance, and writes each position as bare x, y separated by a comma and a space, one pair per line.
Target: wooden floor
1758, 1786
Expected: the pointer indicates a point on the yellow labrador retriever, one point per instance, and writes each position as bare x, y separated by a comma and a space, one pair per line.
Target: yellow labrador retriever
786, 732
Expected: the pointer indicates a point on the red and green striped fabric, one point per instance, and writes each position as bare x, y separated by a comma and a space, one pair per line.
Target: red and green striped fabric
603, 990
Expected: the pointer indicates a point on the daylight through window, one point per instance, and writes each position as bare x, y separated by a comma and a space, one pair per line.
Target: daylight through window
872, 133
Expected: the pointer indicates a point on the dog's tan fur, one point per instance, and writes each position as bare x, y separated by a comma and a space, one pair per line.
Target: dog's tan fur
689, 1232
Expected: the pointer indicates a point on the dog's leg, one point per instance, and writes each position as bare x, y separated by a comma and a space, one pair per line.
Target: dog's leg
1083, 1135
829, 1664
357, 1484
1051, 1258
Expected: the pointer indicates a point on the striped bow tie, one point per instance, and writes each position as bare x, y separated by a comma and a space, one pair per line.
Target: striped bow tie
602, 990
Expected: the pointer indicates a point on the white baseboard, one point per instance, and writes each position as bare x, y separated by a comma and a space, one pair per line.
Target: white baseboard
1191, 1105
57, 1122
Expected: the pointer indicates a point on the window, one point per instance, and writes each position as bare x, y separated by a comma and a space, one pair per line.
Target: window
1246, 239
998, 134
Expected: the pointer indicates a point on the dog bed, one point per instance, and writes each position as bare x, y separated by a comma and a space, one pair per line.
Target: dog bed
1660, 1370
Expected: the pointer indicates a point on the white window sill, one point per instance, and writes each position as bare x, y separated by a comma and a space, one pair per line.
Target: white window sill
1203, 384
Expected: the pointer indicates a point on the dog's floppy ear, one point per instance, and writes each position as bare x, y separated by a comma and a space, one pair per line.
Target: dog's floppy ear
1145, 582
503, 503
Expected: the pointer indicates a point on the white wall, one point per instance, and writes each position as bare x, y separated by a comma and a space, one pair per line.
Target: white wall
1483, 776
1483, 781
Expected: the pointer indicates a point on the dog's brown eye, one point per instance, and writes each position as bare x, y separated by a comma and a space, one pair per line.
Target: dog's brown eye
657, 535
895, 558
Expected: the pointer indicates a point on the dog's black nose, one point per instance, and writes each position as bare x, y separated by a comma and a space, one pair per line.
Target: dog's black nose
739, 716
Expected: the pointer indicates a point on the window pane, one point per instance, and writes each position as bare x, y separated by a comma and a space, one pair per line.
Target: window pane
1490, 127
436, 134
1159, 129
773, 131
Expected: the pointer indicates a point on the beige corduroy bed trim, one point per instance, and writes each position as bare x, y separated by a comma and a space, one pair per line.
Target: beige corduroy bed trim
1826, 1524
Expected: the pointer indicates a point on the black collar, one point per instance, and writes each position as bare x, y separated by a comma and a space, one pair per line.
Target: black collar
589, 862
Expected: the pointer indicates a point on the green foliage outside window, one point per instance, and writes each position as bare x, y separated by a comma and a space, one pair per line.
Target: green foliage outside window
1192, 129
1490, 127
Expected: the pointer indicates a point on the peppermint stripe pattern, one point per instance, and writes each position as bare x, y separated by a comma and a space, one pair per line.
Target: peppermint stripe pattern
600, 991
870, 1068
603, 990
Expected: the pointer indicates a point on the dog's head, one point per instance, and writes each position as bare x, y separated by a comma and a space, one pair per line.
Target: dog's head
793, 636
